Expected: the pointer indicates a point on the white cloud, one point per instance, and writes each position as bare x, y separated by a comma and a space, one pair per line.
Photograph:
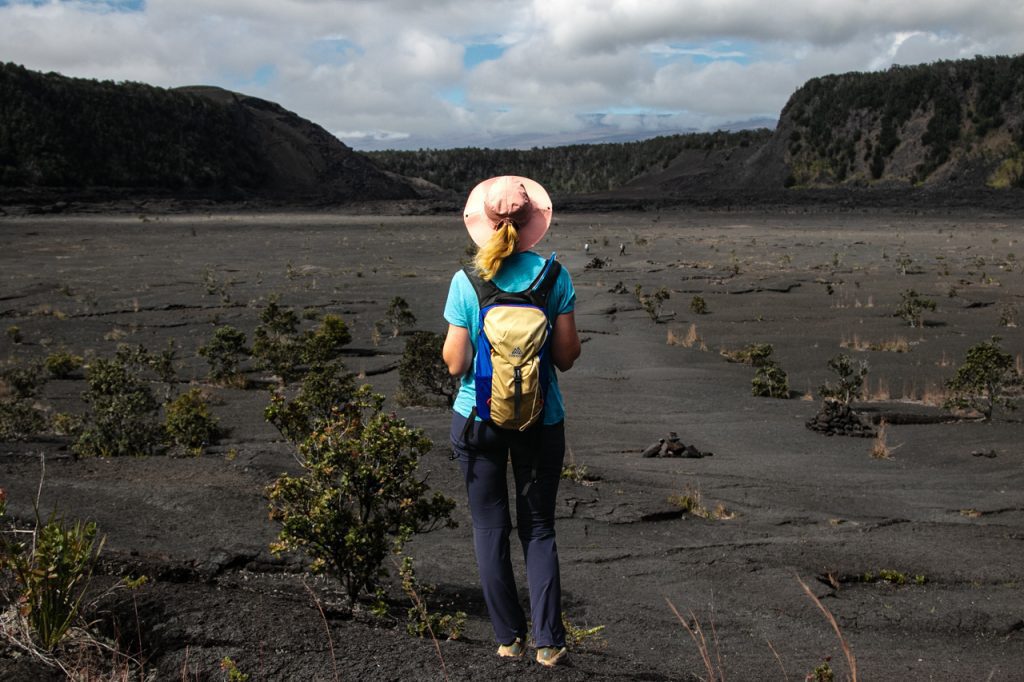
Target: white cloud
394, 70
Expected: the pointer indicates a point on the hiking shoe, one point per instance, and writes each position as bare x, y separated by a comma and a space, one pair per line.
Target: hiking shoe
513, 650
551, 655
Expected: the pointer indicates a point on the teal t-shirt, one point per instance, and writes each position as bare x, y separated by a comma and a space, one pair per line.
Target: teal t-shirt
463, 310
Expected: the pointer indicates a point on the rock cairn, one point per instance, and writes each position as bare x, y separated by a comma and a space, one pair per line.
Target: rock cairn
836, 418
673, 447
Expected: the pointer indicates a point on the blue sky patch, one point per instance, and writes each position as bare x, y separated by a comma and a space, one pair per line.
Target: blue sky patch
455, 95
101, 5
740, 52
332, 51
481, 52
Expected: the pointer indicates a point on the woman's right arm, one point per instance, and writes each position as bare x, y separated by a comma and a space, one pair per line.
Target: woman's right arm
457, 351
565, 341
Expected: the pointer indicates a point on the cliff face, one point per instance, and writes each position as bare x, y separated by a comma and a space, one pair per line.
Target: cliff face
957, 123
59, 132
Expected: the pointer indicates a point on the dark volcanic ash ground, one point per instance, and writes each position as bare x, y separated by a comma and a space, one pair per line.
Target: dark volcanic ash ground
802, 504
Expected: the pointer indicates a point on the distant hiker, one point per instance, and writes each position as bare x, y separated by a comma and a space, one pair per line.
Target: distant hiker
622, 248
586, 248
509, 404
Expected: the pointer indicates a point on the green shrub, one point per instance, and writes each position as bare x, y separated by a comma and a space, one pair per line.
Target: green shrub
359, 495
850, 381
754, 354
122, 415
398, 315
698, 306
14, 333
276, 346
19, 418
651, 303
986, 379
189, 423
422, 372
770, 380
324, 388
327, 341
61, 364
163, 365
51, 570
225, 353
912, 306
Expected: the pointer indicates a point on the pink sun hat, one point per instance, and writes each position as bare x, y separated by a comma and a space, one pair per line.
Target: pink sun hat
519, 199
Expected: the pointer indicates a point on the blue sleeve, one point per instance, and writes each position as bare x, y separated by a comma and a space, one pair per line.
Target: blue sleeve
459, 309
564, 293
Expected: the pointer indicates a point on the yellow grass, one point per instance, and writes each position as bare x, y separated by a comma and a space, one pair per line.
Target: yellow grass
898, 344
879, 393
691, 339
880, 448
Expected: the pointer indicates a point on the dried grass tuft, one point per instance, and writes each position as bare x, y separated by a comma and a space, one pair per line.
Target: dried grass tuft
880, 448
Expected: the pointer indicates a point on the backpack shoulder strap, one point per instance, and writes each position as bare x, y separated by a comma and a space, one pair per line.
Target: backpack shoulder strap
486, 290
544, 284
488, 293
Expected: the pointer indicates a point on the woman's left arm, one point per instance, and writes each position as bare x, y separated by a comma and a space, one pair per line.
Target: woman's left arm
565, 341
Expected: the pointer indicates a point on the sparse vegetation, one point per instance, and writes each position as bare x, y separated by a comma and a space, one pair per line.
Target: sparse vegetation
399, 316
225, 353
422, 373
189, 422
19, 389
880, 447
691, 501
421, 620
51, 567
893, 577
912, 306
651, 303
122, 415
849, 383
276, 346
62, 364
358, 496
14, 334
327, 341
1008, 315
986, 379
770, 380
698, 306
583, 637
325, 388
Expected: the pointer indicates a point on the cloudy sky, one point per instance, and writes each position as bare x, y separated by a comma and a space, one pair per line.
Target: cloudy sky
443, 73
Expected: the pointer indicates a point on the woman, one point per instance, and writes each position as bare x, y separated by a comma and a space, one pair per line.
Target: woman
505, 217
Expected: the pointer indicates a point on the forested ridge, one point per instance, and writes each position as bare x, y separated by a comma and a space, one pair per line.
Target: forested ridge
949, 123
911, 124
571, 169
75, 132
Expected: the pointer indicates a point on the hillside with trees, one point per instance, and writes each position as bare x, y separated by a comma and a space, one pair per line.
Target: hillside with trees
950, 122
74, 133
572, 169
956, 125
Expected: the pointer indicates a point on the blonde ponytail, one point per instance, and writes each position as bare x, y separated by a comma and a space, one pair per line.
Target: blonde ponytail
501, 245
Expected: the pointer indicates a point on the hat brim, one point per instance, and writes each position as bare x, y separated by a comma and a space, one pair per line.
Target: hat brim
481, 229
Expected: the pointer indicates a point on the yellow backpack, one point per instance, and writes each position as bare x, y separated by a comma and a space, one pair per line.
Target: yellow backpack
513, 368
